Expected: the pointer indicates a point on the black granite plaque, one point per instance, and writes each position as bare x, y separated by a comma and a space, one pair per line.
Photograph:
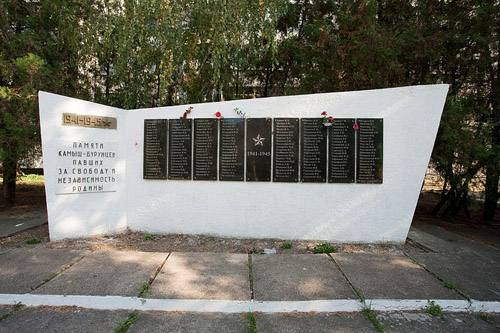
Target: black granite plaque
205, 149
231, 149
179, 152
155, 149
313, 150
369, 169
286, 150
341, 159
259, 142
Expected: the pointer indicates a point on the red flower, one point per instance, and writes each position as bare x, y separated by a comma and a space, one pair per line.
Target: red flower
217, 114
323, 113
355, 126
185, 115
330, 118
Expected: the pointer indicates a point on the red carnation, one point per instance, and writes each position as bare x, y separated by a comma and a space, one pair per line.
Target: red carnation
185, 115
330, 118
217, 114
323, 113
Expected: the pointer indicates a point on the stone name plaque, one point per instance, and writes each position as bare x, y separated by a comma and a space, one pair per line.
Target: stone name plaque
341, 160
286, 150
231, 149
205, 149
71, 119
155, 149
313, 151
259, 143
86, 167
370, 151
179, 152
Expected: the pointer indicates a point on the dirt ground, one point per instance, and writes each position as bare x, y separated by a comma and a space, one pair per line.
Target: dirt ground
32, 198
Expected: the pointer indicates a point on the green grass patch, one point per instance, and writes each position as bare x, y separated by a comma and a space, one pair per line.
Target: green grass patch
487, 318
16, 307
144, 290
125, 325
31, 180
286, 245
325, 248
34, 240
252, 323
450, 285
372, 317
149, 237
434, 309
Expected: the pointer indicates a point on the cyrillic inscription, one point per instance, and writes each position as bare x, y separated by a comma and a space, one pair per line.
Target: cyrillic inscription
205, 149
179, 152
286, 150
370, 151
155, 149
313, 150
231, 150
342, 151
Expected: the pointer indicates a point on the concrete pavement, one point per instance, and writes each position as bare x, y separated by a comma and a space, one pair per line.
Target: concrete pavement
84, 291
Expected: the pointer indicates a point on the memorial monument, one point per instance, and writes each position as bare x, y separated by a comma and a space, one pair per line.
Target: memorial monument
338, 167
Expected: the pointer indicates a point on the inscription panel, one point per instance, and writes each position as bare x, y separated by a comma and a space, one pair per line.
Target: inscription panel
155, 149
205, 149
179, 152
86, 167
313, 150
341, 158
71, 119
259, 149
370, 151
231, 149
286, 150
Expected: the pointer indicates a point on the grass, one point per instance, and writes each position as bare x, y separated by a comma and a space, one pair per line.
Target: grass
372, 317
144, 290
16, 307
487, 318
256, 251
325, 248
34, 240
450, 285
124, 325
149, 237
421, 264
434, 309
286, 245
252, 323
31, 180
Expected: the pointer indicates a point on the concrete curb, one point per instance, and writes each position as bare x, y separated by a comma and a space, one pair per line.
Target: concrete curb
228, 306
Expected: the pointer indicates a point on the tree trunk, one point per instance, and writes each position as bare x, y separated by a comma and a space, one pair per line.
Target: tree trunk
9, 180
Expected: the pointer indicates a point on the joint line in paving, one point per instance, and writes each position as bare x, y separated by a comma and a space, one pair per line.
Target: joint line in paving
356, 291
50, 278
420, 246
416, 262
250, 275
155, 274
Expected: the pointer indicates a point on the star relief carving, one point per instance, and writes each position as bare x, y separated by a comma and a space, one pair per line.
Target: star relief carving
259, 140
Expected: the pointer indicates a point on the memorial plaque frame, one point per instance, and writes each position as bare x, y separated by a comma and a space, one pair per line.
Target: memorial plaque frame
259, 149
179, 149
341, 151
313, 148
206, 141
155, 149
369, 151
286, 150
231, 149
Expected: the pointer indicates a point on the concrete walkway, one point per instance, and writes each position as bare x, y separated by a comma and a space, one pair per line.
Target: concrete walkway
84, 291
12, 225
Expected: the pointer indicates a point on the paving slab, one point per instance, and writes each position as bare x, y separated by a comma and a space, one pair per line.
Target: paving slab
23, 269
106, 273
415, 322
483, 250
313, 323
62, 320
391, 276
12, 225
219, 276
298, 277
433, 243
188, 322
4, 310
477, 277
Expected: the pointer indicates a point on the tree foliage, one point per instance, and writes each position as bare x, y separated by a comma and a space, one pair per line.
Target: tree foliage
134, 54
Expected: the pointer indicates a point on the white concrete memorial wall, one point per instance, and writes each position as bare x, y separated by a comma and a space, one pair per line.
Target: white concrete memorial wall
95, 181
